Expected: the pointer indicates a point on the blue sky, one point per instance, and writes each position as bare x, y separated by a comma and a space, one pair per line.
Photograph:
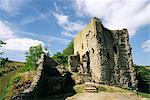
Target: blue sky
54, 23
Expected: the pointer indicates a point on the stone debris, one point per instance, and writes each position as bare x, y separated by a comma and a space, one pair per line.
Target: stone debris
90, 87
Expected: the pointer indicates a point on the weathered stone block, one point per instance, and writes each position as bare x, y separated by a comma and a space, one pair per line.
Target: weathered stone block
73, 62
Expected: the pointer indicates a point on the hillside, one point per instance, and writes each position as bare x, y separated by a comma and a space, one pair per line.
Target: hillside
7, 72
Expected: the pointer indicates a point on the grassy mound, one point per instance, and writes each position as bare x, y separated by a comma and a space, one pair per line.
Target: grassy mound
17, 84
8, 75
7, 72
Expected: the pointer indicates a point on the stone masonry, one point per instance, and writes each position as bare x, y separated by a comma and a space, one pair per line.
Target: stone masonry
105, 55
49, 80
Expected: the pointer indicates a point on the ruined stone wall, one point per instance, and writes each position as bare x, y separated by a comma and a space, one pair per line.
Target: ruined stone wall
48, 81
124, 71
85, 42
32, 90
110, 58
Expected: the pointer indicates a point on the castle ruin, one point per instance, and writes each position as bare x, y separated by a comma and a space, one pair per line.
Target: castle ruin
104, 55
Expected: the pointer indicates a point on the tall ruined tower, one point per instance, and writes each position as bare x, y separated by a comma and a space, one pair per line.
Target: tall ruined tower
105, 55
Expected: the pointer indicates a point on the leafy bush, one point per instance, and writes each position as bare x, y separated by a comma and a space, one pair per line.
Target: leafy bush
1, 43
69, 50
32, 58
63, 57
2, 60
143, 76
58, 57
1, 74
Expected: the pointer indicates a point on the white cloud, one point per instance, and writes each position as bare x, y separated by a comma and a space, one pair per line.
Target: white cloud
21, 44
49, 38
53, 39
11, 5
5, 31
13, 42
63, 21
117, 14
32, 19
67, 34
146, 45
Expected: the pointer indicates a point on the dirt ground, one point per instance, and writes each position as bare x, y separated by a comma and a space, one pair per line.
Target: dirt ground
105, 96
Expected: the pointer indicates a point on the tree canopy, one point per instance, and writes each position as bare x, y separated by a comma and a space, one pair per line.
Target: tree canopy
62, 57
2, 60
69, 50
32, 57
1, 44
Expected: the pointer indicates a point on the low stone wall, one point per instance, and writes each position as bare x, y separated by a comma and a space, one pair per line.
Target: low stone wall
48, 81
32, 90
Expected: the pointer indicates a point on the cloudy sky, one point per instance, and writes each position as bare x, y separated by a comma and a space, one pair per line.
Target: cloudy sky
54, 23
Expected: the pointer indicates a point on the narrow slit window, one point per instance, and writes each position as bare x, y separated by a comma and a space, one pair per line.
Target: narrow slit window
92, 50
82, 46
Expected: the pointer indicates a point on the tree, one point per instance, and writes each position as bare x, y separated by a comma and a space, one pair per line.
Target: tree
63, 57
69, 50
32, 58
1, 44
2, 60
58, 57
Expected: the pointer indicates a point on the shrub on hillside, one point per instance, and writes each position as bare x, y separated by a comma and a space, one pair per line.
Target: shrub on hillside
1, 74
143, 76
63, 57
32, 58
2, 60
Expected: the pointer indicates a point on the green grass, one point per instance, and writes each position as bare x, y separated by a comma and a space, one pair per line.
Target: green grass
5, 79
11, 66
12, 88
9, 72
79, 88
145, 95
101, 88
8, 87
111, 89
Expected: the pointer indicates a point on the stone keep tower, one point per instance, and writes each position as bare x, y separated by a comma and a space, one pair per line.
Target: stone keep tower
105, 55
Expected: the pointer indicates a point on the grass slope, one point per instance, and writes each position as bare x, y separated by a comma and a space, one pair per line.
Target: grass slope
7, 72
